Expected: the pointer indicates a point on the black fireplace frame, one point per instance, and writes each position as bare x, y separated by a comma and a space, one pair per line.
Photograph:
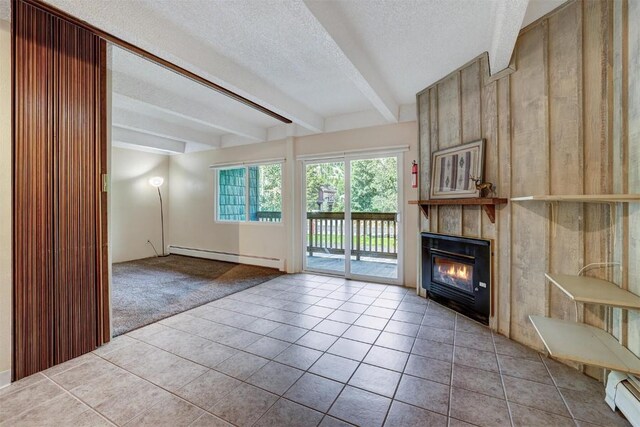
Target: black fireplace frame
476, 252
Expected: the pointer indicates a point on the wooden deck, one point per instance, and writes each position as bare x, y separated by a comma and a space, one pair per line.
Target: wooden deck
387, 269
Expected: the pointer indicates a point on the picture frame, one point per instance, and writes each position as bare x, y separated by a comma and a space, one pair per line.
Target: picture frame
452, 170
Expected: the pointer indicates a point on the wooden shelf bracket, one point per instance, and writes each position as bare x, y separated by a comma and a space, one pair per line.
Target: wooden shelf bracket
488, 204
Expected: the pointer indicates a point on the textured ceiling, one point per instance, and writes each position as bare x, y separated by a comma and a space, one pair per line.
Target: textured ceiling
130, 68
539, 8
279, 41
417, 42
325, 64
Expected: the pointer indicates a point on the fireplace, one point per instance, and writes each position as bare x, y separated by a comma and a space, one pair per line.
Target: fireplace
456, 271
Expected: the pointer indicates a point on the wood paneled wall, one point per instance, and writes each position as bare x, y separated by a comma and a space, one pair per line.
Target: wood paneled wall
549, 128
629, 107
60, 291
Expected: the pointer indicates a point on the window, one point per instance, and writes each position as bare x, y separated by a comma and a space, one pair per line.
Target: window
250, 193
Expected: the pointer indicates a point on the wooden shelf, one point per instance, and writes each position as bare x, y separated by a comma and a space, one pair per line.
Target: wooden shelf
488, 204
594, 291
584, 344
581, 198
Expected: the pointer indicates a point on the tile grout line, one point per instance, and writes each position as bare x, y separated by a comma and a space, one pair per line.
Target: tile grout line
453, 356
346, 383
575, 420
4, 423
164, 389
504, 387
65, 391
404, 367
91, 408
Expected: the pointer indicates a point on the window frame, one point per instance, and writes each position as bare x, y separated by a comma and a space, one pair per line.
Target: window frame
246, 167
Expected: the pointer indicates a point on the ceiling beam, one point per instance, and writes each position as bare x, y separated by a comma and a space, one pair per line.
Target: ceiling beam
509, 15
199, 58
133, 120
120, 135
227, 141
137, 91
352, 60
155, 58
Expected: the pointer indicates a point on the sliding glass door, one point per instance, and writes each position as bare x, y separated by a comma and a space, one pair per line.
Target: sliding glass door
374, 217
352, 207
325, 217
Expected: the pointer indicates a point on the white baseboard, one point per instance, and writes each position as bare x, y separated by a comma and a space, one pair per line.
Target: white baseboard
5, 378
618, 396
228, 257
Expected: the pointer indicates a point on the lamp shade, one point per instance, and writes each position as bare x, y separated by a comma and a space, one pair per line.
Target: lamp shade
156, 181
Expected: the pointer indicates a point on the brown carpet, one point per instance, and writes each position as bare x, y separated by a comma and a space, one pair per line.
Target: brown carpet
147, 290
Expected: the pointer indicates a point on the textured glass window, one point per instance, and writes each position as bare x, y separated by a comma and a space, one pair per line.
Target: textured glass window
232, 194
262, 198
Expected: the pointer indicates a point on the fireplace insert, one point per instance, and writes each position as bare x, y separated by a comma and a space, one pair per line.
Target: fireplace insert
456, 271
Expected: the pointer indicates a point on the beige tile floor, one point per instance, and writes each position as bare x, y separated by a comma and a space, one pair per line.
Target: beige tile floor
310, 350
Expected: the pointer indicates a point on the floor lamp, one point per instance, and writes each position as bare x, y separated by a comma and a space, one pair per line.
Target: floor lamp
157, 181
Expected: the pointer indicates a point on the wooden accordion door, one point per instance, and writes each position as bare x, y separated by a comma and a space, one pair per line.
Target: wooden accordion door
60, 286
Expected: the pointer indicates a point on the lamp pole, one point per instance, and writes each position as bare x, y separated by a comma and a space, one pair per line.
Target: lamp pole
157, 181
161, 220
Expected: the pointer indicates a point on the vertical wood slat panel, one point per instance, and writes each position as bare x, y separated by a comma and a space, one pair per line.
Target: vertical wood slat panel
471, 130
504, 215
434, 145
75, 287
633, 149
566, 167
598, 146
102, 257
528, 109
449, 135
32, 198
60, 304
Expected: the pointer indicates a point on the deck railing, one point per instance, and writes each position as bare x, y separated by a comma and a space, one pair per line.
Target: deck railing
373, 234
266, 216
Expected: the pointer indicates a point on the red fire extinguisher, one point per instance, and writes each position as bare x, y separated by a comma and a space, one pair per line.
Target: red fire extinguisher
414, 174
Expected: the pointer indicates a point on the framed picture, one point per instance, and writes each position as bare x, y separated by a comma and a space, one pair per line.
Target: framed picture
454, 169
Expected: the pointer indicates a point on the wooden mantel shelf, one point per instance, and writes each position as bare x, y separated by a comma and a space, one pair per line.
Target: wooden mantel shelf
488, 204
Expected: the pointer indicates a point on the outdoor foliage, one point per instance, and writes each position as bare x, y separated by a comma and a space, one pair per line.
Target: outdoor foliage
327, 174
373, 185
270, 187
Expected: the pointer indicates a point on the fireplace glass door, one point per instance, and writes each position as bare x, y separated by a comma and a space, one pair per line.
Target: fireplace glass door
451, 272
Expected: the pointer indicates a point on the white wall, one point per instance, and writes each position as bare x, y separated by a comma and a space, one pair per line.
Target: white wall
5, 203
192, 205
135, 207
192, 195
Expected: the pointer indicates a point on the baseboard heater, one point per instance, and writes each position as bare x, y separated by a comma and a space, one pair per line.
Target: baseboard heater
5, 378
623, 392
228, 257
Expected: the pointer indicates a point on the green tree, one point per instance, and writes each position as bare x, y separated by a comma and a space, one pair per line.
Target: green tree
270, 187
374, 184
325, 174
